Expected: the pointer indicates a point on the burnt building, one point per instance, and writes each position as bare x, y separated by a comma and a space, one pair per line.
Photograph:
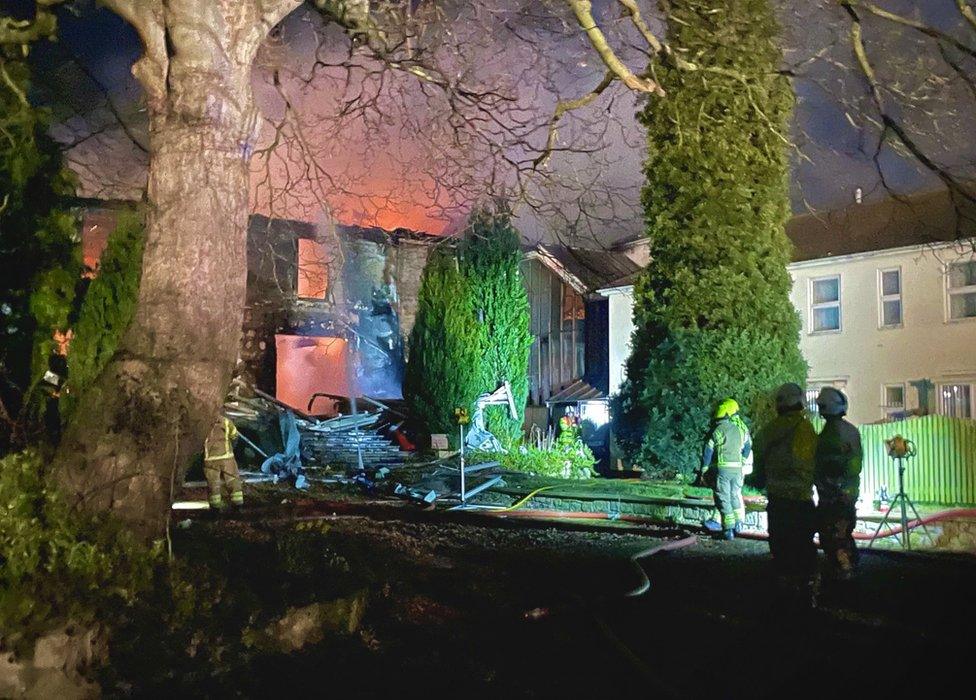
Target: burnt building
328, 309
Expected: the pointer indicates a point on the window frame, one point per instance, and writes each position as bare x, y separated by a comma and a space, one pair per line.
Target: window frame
899, 297
940, 388
812, 307
302, 271
951, 291
886, 408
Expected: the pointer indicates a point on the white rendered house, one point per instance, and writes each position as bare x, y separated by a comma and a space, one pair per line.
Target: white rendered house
886, 294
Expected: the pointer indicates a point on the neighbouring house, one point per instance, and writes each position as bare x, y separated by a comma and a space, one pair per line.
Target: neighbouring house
569, 363
886, 293
327, 308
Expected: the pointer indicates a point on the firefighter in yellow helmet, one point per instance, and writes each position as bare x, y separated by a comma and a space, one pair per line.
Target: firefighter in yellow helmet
219, 465
730, 444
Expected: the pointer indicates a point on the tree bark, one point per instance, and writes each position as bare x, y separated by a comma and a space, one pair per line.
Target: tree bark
149, 411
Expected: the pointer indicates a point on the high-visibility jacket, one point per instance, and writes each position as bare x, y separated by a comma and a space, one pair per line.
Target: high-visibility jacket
838, 460
784, 452
219, 443
729, 442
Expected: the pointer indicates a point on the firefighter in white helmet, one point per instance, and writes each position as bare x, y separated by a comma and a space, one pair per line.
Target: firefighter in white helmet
784, 450
838, 479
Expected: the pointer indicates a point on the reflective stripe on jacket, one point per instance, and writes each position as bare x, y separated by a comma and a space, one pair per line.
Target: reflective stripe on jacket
218, 444
729, 441
785, 450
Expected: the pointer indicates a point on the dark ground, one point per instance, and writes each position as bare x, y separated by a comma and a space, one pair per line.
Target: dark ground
449, 614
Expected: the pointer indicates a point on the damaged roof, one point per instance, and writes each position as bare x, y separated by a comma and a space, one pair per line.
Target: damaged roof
584, 269
921, 219
303, 229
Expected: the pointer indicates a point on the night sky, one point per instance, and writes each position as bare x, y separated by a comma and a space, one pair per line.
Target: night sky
835, 151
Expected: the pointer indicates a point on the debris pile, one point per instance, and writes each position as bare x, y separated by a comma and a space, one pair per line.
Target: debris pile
291, 444
353, 441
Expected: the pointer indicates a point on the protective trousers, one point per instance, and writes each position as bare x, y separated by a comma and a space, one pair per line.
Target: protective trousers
728, 496
220, 473
791, 527
836, 517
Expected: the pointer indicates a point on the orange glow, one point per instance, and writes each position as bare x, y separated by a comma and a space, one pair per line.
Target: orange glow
388, 216
313, 271
307, 365
96, 227
384, 195
63, 340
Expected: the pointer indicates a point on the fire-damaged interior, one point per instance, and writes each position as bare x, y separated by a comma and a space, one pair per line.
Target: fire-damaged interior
328, 309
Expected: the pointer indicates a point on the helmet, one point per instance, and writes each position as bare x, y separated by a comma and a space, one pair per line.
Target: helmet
831, 402
789, 396
727, 408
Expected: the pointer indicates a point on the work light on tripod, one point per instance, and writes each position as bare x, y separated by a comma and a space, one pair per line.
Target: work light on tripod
901, 449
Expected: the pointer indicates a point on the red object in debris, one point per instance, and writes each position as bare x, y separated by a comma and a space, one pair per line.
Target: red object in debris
403, 441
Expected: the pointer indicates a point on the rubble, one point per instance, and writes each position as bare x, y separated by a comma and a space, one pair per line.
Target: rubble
297, 447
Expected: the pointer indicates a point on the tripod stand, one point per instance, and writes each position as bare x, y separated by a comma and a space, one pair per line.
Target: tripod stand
905, 502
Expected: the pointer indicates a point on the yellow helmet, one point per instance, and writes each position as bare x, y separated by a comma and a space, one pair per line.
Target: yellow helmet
727, 408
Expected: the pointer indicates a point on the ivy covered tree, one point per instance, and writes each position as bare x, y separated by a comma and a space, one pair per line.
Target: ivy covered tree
107, 307
443, 370
712, 312
490, 255
38, 243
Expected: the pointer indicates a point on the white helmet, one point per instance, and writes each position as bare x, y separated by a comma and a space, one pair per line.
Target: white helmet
832, 402
789, 396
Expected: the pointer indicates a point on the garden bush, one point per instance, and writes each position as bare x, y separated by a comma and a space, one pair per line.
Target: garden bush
569, 460
57, 564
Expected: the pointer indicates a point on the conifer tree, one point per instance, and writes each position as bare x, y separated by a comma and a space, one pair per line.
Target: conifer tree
443, 370
491, 258
712, 314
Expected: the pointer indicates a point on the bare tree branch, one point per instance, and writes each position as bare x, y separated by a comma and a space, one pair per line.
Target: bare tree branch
890, 124
583, 10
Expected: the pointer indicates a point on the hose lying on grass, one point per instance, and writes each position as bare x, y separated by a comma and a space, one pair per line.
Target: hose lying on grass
643, 520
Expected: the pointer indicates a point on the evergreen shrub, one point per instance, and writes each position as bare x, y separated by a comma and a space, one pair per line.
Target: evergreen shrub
712, 313
490, 262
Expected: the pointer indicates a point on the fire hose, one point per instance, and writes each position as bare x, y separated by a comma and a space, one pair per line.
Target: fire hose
644, 520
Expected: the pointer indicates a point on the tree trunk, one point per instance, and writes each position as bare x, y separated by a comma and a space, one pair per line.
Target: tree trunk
149, 411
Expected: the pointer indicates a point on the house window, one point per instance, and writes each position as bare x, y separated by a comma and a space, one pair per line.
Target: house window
962, 290
889, 291
893, 399
313, 271
957, 400
825, 304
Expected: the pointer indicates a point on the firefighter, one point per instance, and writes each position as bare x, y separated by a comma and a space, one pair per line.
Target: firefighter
784, 466
837, 477
219, 465
729, 442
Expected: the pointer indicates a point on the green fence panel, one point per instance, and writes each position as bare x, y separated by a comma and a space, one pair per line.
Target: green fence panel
944, 470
